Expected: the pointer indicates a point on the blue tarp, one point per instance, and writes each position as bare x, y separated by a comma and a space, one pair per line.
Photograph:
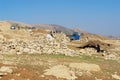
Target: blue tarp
75, 36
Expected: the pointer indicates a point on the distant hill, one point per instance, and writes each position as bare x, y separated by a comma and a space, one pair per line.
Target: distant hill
114, 37
91, 36
60, 28
69, 30
76, 29
54, 27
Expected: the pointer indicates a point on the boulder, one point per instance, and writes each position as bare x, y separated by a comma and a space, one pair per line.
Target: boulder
5, 69
115, 76
85, 66
26, 50
61, 71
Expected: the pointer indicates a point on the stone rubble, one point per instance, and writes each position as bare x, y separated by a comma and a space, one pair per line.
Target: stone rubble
44, 44
88, 51
4, 70
30, 42
111, 57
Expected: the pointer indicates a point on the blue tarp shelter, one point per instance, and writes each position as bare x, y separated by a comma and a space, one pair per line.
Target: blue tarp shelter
74, 36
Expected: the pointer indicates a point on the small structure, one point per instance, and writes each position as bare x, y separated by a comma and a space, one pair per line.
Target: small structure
75, 36
98, 45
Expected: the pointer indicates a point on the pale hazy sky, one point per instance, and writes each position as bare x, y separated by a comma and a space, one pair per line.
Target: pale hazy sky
96, 16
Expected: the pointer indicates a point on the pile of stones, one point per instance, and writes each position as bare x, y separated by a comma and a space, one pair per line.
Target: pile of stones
43, 44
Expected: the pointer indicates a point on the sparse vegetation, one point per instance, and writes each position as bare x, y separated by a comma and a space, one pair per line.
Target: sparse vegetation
36, 55
38, 63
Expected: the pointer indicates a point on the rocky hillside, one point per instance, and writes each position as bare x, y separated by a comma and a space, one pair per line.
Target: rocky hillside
34, 54
22, 40
53, 27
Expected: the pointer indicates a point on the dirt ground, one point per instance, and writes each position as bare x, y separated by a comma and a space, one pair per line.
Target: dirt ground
32, 67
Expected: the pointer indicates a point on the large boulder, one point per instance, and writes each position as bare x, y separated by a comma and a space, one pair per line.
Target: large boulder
85, 66
61, 71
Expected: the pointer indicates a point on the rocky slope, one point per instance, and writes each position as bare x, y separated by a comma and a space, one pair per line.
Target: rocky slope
39, 41
41, 56
32, 42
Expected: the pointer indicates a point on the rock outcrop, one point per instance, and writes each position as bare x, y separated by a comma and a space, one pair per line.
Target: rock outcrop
85, 66
61, 71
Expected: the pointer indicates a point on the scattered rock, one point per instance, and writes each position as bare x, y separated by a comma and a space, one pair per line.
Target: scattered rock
0, 77
26, 50
115, 76
5, 69
12, 79
85, 66
97, 78
61, 71
42, 76
2, 74
8, 62
18, 74
110, 57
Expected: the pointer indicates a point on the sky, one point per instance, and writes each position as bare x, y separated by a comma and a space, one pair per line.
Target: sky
95, 16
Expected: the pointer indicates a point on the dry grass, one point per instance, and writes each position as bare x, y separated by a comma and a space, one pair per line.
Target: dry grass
36, 64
